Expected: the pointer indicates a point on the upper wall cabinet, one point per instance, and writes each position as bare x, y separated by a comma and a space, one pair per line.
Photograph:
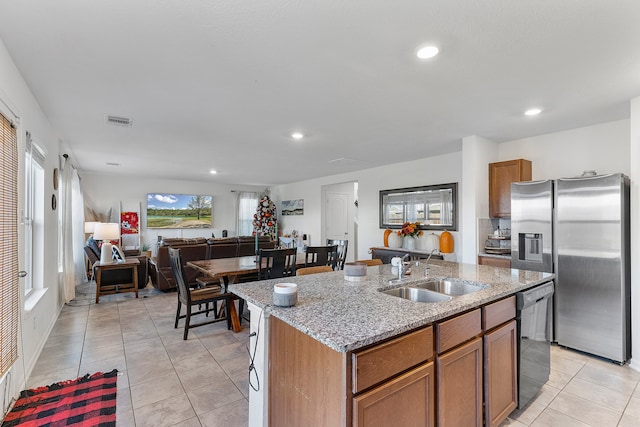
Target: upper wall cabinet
434, 206
501, 175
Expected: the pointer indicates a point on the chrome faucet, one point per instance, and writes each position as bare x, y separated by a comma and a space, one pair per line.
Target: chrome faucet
426, 263
401, 269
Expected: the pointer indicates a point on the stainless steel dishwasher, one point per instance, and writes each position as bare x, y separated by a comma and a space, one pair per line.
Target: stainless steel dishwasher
534, 320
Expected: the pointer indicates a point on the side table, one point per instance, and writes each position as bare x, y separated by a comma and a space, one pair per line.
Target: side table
128, 264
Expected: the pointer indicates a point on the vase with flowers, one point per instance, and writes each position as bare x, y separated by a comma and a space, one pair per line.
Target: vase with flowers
410, 232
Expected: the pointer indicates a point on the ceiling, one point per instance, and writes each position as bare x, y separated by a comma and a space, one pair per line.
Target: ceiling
222, 84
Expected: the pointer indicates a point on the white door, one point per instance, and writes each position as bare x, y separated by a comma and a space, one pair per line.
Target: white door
337, 216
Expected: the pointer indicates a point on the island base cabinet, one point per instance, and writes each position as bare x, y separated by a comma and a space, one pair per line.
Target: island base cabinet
501, 387
407, 401
306, 380
459, 385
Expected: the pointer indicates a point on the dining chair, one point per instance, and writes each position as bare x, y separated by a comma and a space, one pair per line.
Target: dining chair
321, 255
198, 296
313, 270
370, 262
274, 263
342, 252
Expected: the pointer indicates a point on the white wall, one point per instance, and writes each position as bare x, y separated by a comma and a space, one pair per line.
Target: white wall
477, 153
634, 175
103, 192
603, 148
37, 322
434, 170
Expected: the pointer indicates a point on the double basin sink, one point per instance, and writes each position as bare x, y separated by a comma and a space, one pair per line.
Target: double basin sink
435, 290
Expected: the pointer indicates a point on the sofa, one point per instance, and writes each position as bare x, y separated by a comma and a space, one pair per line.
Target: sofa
196, 249
114, 277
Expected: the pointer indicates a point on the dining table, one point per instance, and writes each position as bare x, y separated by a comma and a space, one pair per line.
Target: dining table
228, 270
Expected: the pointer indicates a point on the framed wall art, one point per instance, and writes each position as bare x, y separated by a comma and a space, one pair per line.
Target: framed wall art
179, 211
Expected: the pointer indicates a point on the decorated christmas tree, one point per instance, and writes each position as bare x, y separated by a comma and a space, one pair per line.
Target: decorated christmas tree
265, 221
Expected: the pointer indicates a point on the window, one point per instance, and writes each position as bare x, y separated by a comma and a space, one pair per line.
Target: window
434, 206
34, 216
8, 245
247, 204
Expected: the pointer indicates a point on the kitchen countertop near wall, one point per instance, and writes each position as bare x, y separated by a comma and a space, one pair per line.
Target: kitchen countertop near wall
346, 315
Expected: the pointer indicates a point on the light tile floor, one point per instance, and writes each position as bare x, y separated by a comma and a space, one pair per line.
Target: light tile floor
165, 381
583, 391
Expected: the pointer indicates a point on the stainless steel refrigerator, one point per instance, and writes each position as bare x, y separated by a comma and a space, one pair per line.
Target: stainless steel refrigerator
578, 228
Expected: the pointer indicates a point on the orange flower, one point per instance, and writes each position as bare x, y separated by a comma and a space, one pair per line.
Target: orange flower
410, 229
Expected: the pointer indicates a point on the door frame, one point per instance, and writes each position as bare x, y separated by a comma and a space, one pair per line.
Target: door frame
348, 188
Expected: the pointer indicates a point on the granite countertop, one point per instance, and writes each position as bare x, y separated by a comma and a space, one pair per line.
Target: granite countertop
347, 315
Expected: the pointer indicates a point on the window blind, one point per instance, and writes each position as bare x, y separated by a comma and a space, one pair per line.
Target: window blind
8, 245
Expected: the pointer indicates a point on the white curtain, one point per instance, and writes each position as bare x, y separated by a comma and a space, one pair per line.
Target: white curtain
246, 205
71, 232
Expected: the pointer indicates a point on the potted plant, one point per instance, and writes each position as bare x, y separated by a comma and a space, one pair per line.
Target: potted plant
145, 249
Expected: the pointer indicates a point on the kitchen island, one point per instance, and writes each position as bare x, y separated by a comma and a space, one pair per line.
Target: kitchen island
313, 348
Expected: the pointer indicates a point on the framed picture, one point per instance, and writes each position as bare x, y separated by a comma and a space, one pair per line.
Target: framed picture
293, 207
179, 211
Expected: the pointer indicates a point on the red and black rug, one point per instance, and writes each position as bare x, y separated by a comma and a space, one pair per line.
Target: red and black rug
86, 401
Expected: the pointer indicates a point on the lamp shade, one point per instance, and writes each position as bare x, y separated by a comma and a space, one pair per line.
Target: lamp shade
89, 227
106, 231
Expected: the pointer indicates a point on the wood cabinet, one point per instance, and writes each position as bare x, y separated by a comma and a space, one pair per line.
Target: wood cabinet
407, 400
500, 360
501, 175
500, 372
459, 371
459, 385
494, 262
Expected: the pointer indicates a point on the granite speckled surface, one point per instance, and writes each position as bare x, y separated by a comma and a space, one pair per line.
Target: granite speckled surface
346, 315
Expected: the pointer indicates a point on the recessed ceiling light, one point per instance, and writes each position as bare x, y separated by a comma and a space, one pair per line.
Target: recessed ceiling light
213, 171
427, 52
533, 112
297, 135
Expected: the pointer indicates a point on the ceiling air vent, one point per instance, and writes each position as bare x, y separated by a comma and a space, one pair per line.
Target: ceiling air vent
118, 121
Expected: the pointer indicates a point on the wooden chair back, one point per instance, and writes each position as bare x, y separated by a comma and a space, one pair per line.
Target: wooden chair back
175, 259
274, 263
321, 255
313, 270
342, 252
370, 262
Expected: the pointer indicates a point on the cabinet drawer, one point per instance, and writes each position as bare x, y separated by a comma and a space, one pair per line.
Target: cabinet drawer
376, 364
453, 332
499, 312
494, 262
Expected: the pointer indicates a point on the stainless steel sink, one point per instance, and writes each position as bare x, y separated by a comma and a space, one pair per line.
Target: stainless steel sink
453, 287
417, 294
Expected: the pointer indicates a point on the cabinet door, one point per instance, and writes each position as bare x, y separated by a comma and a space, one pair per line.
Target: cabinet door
500, 368
407, 401
494, 262
459, 380
501, 175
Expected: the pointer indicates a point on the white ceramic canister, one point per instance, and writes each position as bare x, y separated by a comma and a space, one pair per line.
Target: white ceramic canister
285, 294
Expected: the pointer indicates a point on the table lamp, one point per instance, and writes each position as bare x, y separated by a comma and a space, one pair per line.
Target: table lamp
106, 232
89, 227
